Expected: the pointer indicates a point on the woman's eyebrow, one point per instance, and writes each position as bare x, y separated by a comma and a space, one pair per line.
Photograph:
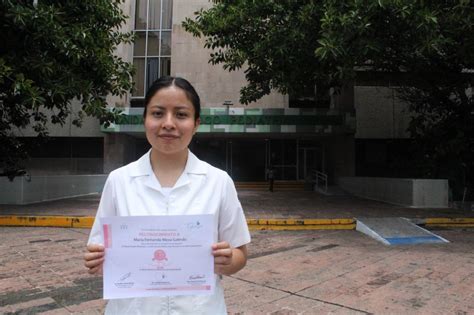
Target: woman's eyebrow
164, 107
182, 107
157, 106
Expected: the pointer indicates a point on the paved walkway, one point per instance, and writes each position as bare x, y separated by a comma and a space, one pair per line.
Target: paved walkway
288, 272
262, 205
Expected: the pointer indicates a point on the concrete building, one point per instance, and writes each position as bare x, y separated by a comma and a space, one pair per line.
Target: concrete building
340, 135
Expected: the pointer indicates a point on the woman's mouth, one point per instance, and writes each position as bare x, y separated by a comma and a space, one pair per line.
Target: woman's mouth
168, 136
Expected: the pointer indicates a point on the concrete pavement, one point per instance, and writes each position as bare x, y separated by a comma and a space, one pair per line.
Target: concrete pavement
305, 209
288, 272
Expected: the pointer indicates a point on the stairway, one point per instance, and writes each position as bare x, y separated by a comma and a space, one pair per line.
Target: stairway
278, 185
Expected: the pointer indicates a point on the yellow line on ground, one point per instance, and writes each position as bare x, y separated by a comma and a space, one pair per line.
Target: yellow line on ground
254, 224
450, 222
47, 221
299, 221
457, 225
302, 227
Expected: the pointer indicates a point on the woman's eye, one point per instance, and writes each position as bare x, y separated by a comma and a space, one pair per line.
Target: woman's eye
157, 114
182, 115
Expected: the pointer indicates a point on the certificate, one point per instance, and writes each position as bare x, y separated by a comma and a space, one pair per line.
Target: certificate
158, 256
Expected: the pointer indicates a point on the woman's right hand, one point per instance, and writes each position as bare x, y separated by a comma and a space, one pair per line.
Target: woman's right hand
94, 258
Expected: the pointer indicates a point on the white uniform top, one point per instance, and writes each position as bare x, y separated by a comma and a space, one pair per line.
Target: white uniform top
134, 190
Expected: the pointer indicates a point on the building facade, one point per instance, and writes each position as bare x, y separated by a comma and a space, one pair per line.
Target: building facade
336, 135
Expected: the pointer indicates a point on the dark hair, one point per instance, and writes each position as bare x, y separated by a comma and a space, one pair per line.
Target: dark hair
181, 83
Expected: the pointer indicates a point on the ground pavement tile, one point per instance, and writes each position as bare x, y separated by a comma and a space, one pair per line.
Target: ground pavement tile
88, 307
449, 300
443, 273
316, 274
25, 305
14, 284
364, 280
293, 305
246, 295
421, 287
392, 285
57, 311
45, 256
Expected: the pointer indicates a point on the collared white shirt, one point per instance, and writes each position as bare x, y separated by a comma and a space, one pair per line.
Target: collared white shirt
134, 190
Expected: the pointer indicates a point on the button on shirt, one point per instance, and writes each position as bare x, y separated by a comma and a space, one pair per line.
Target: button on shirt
134, 190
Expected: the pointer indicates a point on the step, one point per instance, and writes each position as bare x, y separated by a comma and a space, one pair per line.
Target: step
396, 231
278, 185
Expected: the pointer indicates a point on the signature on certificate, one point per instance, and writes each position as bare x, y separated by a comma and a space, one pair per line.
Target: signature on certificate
125, 276
196, 277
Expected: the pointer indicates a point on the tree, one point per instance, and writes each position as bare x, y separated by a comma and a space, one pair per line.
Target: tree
427, 45
53, 52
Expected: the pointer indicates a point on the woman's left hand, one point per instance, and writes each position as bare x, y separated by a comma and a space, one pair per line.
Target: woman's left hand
228, 260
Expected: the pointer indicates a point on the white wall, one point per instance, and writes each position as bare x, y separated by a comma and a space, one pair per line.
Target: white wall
416, 193
43, 188
90, 126
189, 59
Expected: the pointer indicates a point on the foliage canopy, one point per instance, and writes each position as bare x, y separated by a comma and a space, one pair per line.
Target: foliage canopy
52, 53
286, 45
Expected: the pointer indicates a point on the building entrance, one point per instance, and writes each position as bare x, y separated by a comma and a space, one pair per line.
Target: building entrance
309, 159
248, 159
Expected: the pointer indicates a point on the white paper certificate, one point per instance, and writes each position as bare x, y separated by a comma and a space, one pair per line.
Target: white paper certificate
158, 256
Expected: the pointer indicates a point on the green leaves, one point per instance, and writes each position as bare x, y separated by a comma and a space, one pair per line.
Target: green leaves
288, 44
54, 53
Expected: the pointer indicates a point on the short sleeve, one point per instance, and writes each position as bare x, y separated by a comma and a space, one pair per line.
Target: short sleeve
106, 208
232, 223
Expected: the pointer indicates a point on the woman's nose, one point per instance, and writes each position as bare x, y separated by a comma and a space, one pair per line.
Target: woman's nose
168, 121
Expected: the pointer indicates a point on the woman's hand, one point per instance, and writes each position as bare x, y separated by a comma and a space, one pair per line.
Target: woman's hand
94, 258
228, 260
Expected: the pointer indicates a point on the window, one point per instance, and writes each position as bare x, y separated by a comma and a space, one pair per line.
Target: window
152, 48
310, 97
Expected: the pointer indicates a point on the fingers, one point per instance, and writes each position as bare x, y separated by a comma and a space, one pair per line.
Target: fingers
96, 270
222, 253
94, 258
221, 249
220, 245
95, 248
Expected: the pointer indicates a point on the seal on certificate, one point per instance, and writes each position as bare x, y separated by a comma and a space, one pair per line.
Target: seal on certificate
159, 257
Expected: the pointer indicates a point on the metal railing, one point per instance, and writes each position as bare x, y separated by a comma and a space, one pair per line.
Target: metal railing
320, 178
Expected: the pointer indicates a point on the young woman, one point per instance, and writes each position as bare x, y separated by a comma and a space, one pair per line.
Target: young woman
170, 180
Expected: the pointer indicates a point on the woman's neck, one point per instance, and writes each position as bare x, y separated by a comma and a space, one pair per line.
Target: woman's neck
168, 167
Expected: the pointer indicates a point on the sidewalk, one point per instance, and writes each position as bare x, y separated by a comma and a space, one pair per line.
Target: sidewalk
287, 273
266, 209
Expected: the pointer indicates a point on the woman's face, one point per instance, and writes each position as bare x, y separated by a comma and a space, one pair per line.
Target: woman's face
169, 121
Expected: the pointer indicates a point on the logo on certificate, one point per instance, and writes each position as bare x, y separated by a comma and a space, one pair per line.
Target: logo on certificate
159, 258
196, 225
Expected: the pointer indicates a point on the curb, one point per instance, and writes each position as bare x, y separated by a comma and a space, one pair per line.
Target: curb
301, 224
47, 221
254, 224
450, 222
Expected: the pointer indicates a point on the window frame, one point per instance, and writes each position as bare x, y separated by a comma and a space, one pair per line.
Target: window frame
135, 95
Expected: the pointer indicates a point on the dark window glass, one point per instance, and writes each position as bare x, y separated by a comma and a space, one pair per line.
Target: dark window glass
153, 70
140, 44
68, 147
167, 14
154, 20
138, 79
140, 15
137, 102
153, 44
